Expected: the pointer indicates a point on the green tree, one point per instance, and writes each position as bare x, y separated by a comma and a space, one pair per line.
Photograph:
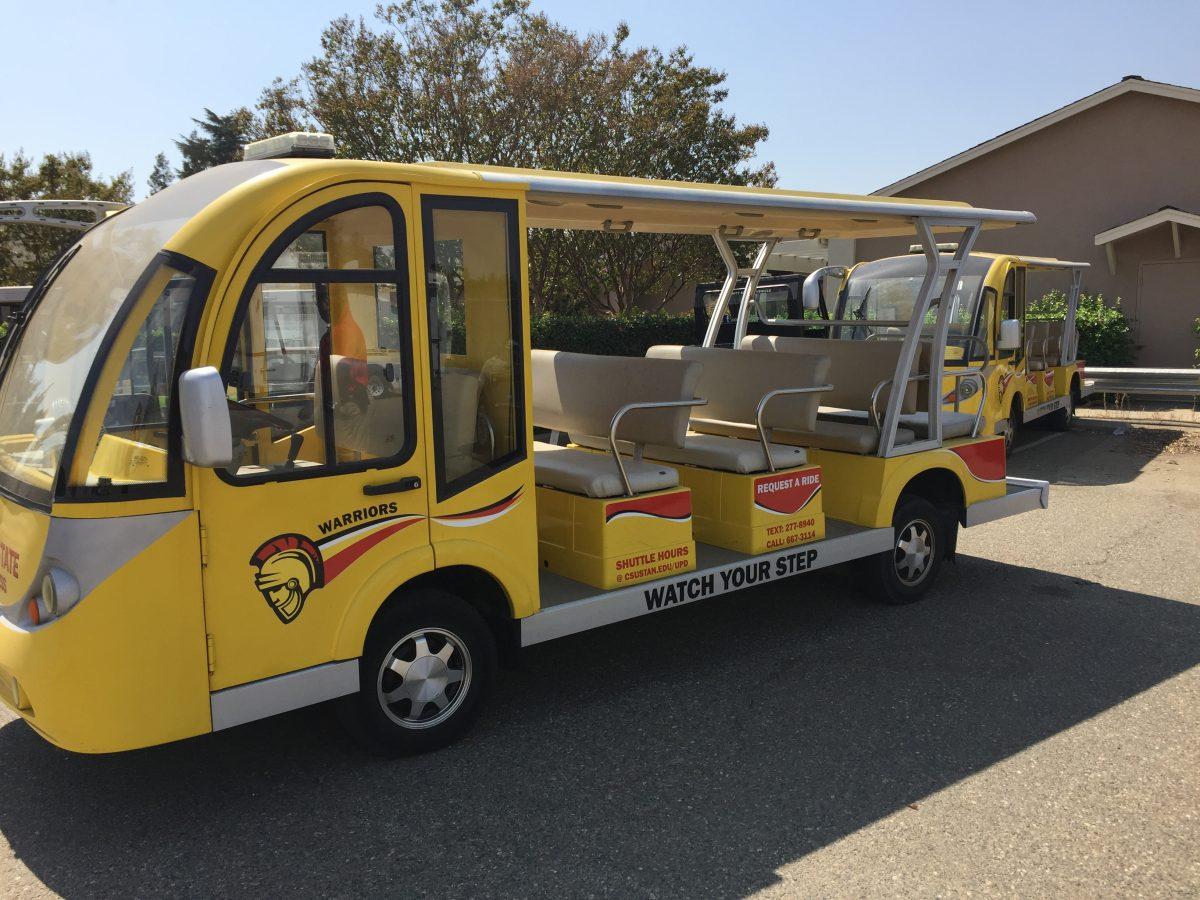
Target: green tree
25, 250
161, 175
494, 83
1105, 337
217, 140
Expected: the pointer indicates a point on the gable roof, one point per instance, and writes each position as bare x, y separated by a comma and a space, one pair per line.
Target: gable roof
1158, 217
1128, 84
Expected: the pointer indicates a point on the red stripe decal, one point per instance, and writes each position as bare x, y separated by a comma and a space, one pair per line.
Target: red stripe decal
984, 460
341, 560
787, 493
496, 507
677, 505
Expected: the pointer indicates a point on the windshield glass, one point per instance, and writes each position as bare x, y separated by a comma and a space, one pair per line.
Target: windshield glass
45, 374
772, 300
886, 291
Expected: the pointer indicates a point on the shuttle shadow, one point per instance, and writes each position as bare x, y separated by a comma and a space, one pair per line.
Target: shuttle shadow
1090, 454
690, 752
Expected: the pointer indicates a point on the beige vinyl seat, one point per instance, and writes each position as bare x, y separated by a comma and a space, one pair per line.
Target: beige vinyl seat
722, 434
1054, 343
855, 369
579, 394
1036, 338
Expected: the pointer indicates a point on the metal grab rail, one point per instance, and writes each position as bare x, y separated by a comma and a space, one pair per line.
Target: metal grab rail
616, 421
957, 376
762, 405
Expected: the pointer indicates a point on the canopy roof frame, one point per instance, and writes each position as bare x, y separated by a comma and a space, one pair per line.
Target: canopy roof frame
592, 202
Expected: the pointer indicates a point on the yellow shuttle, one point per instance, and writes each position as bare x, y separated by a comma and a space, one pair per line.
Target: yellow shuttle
276, 436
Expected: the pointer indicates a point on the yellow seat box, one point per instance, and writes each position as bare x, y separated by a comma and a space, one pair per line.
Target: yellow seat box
615, 542
755, 513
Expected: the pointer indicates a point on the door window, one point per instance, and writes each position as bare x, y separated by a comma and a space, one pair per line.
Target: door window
1014, 305
319, 375
472, 258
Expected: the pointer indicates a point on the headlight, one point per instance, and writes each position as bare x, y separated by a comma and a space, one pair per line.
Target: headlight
60, 591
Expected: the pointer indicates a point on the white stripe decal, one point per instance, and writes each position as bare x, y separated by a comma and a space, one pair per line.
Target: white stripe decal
360, 532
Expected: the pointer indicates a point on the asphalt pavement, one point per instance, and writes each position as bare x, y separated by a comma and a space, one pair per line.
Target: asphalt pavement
1032, 727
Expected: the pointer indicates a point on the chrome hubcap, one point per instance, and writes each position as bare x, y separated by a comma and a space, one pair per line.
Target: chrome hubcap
914, 550
424, 678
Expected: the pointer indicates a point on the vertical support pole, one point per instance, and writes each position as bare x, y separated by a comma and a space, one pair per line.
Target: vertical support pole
732, 274
731, 277
752, 278
935, 266
1069, 350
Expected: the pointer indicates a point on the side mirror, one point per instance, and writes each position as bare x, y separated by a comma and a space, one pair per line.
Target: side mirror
810, 294
204, 410
1010, 335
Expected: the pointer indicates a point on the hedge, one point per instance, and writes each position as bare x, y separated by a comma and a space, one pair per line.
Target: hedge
1105, 338
631, 334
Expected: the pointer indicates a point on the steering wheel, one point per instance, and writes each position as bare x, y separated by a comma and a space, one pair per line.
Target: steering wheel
245, 420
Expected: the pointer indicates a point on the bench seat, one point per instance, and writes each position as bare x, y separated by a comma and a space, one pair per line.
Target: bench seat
711, 451
595, 474
847, 437
954, 424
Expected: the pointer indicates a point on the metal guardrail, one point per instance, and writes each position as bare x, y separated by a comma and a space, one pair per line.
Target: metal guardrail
1145, 382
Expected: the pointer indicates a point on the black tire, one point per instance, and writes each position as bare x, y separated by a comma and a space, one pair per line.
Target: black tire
1015, 416
1062, 419
456, 642
905, 573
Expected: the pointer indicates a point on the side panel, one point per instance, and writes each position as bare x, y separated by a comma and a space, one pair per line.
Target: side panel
127, 667
864, 489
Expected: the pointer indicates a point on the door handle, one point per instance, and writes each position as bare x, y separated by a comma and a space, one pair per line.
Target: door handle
409, 483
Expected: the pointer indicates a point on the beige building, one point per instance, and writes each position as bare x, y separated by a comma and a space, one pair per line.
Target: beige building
1114, 179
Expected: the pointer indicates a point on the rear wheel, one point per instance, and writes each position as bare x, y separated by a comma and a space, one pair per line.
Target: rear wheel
1061, 419
907, 571
1015, 414
426, 667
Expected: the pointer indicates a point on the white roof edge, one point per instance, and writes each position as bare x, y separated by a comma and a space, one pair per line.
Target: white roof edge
549, 184
1157, 88
1160, 217
1039, 262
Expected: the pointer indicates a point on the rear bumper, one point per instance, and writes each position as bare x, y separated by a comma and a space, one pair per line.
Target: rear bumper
1022, 495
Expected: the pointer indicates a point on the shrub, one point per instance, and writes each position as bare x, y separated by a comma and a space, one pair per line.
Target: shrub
627, 335
1196, 332
1105, 338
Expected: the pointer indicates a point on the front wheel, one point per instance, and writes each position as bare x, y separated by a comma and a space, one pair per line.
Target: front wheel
428, 663
907, 571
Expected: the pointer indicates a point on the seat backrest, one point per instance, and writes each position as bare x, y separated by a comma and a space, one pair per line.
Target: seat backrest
580, 393
1054, 331
733, 382
855, 367
1035, 334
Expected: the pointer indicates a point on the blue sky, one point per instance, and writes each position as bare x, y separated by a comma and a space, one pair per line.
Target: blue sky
857, 94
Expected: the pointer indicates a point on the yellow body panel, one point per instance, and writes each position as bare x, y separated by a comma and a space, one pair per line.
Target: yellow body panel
611, 543
127, 667
864, 489
755, 513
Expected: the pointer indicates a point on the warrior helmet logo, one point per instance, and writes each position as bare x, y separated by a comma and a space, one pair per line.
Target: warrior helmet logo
290, 567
